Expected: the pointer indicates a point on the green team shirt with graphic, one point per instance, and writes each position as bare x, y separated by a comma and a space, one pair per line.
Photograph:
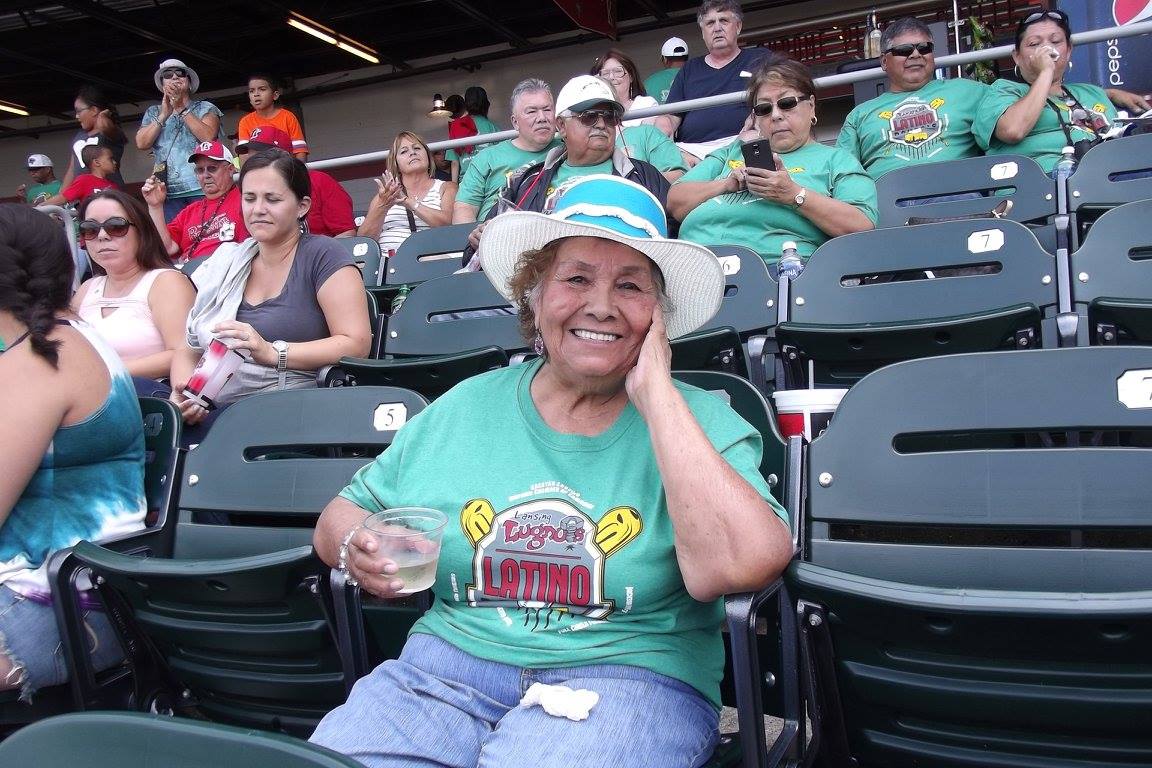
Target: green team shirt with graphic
904, 128
648, 143
741, 218
488, 173
1047, 139
36, 192
559, 548
659, 83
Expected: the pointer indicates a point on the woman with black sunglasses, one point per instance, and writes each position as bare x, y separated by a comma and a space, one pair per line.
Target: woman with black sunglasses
803, 191
1043, 114
71, 445
136, 300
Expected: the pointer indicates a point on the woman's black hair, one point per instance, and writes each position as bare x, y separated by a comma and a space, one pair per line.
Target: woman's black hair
93, 96
294, 172
1055, 15
36, 269
476, 101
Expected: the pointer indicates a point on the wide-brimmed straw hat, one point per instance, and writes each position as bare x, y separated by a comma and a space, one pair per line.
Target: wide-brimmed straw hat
615, 209
193, 78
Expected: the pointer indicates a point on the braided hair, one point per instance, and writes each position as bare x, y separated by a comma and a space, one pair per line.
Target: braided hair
36, 270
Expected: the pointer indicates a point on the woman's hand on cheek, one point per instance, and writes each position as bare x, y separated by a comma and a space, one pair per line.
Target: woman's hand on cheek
243, 336
652, 374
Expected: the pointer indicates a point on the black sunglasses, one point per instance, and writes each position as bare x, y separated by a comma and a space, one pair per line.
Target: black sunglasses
168, 74
1058, 16
786, 104
904, 51
117, 226
590, 117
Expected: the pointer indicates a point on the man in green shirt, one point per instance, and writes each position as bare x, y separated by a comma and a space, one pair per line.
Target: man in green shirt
487, 174
648, 143
674, 53
920, 119
44, 182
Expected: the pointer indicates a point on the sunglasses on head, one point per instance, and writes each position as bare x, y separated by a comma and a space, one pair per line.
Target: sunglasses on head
168, 74
786, 104
905, 50
590, 117
1058, 16
117, 226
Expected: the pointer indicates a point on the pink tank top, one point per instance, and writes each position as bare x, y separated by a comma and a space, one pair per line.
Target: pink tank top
128, 328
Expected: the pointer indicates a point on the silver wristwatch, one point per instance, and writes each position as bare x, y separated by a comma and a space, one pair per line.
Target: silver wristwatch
281, 348
801, 197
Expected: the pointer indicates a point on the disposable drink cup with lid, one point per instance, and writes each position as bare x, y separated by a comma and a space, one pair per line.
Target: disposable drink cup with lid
805, 411
410, 537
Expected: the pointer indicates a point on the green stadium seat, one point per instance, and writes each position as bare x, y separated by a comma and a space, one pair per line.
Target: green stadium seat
135, 740
1112, 276
865, 300
1109, 175
974, 586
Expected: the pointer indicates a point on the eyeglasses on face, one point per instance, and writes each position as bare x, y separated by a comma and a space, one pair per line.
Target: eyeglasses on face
209, 168
614, 72
82, 110
117, 226
168, 74
904, 51
786, 104
590, 117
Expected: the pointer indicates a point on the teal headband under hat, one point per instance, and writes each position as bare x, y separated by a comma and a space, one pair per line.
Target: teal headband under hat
613, 208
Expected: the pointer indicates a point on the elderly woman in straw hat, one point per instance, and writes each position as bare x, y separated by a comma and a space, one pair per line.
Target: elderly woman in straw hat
597, 511
172, 129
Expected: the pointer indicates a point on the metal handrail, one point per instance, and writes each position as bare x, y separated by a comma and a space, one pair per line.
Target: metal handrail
79, 256
956, 59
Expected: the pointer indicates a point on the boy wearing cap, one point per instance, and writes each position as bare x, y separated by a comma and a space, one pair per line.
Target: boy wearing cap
44, 182
101, 165
331, 211
674, 53
173, 128
199, 228
263, 94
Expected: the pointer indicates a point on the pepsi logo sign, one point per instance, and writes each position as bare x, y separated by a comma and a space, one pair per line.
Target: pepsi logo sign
1131, 11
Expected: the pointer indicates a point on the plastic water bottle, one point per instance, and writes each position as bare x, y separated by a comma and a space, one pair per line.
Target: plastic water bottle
791, 265
1066, 164
398, 299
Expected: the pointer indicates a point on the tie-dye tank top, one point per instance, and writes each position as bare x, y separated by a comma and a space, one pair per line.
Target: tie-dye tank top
89, 485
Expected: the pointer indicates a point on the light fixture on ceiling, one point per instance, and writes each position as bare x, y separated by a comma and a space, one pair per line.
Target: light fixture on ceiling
438, 107
15, 109
332, 37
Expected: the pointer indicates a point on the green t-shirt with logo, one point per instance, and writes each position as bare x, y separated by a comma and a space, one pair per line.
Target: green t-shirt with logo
741, 218
659, 83
564, 172
488, 173
1047, 139
41, 191
648, 143
930, 125
559, 548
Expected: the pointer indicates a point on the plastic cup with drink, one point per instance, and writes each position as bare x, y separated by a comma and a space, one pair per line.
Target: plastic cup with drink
212, 372
410, 537
805, 411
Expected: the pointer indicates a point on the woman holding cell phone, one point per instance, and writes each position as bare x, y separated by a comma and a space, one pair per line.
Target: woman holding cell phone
288, 302
783, 186
1041, 115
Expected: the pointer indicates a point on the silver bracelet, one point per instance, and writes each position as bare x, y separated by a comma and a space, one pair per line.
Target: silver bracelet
342, 561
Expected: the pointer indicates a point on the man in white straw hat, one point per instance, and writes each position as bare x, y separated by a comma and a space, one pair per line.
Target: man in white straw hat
598, 511
173, 128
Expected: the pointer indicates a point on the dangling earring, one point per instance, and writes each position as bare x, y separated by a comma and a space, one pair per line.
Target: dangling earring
1016, 70
813, 119
538, 344
1069, 64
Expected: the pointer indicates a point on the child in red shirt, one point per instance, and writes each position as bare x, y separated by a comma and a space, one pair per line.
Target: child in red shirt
100, 164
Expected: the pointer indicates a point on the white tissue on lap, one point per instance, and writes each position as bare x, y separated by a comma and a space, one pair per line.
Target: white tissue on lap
560, 700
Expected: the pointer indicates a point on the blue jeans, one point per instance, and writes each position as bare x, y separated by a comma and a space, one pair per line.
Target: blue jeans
173, 205
30, 638
439, 706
